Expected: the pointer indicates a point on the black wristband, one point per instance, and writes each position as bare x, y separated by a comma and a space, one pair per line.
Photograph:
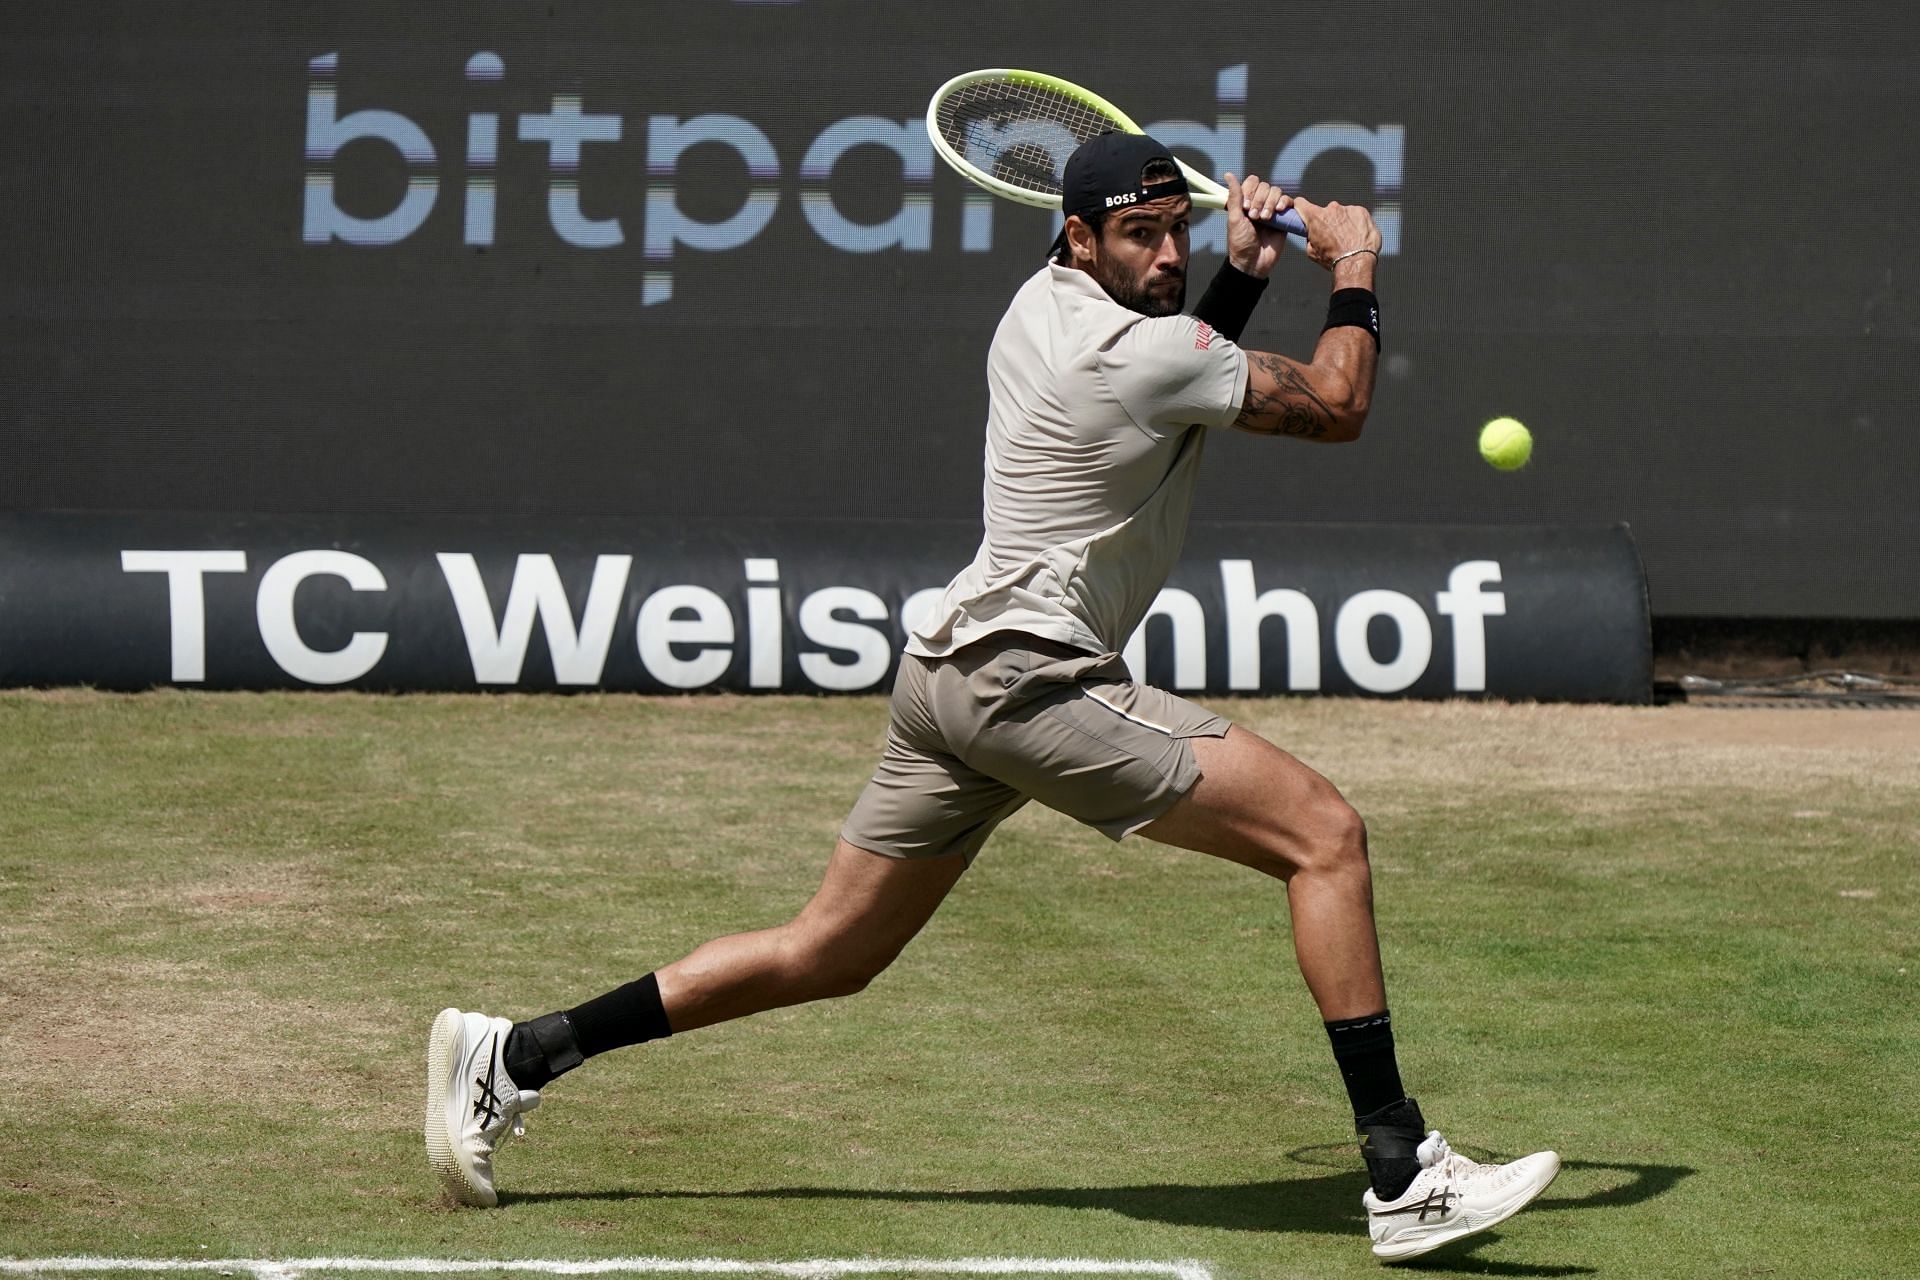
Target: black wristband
1357, 308
1229, 301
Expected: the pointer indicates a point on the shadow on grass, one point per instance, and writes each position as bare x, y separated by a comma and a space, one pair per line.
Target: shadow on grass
1327, 1204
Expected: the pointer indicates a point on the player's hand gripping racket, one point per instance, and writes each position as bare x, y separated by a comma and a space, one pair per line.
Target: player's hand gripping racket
1012, 131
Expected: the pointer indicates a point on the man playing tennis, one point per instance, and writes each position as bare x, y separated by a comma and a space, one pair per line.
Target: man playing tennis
1102, 395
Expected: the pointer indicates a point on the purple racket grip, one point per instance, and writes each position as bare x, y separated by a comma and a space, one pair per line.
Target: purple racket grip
1289, 221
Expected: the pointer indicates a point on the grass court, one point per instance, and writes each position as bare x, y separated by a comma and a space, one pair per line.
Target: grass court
1679, 945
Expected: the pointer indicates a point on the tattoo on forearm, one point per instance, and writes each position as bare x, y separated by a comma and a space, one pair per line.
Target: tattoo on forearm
1291, 409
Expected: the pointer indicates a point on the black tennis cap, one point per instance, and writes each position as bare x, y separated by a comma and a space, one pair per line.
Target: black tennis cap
1103, 174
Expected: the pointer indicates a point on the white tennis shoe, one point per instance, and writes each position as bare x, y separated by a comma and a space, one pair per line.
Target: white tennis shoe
473, 1106
1452, 1197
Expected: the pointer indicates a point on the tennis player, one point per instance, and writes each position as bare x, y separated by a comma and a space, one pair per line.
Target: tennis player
1101, 398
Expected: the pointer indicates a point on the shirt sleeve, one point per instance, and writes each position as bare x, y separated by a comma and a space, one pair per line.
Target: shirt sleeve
1171, 372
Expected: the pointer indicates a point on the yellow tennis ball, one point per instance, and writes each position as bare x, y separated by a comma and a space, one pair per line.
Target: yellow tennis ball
1506, 444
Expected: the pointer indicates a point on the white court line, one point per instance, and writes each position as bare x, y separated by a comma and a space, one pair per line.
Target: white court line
809, 1269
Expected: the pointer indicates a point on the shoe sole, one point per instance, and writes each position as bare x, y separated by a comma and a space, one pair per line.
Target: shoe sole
1468, 1225
440, 1139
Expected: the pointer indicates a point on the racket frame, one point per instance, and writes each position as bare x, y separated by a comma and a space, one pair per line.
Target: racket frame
1206, 193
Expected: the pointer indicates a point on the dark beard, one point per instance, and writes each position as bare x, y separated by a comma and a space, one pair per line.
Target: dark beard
1140, 297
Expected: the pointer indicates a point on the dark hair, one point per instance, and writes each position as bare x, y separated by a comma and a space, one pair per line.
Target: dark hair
1157, 170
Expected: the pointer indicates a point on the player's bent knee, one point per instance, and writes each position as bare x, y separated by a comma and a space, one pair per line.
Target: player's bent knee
827, 972
1335, 838
834, 981
1351, 833
836, 986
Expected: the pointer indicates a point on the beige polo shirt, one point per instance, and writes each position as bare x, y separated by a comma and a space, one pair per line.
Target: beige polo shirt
1096, 416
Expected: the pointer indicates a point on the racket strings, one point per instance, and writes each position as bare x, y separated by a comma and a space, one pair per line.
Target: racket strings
1017, 132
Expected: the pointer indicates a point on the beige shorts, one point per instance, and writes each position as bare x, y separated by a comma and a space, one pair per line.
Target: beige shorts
1014, 718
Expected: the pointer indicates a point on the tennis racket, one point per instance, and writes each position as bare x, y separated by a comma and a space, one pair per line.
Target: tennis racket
1012, 131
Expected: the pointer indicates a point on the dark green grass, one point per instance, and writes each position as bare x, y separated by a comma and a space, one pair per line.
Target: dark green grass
226, 921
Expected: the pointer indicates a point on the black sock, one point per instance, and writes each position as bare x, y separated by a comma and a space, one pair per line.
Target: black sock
545, 1048
1363, 1049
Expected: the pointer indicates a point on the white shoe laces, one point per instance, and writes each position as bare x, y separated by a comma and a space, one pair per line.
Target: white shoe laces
1434, 1153
525, 1101
528, 1101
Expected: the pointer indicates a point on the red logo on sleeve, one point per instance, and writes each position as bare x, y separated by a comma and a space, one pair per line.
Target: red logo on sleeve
1203, 336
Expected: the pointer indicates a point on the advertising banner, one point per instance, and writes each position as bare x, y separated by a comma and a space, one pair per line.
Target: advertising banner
132, 601
668, 263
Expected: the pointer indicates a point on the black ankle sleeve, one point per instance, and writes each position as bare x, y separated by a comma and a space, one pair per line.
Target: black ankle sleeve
1392, 1133
540, 1051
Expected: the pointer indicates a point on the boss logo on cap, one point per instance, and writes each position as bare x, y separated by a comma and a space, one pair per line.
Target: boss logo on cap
1131, 197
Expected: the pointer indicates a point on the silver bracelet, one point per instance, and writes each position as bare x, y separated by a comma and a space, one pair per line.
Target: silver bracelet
1349, 253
